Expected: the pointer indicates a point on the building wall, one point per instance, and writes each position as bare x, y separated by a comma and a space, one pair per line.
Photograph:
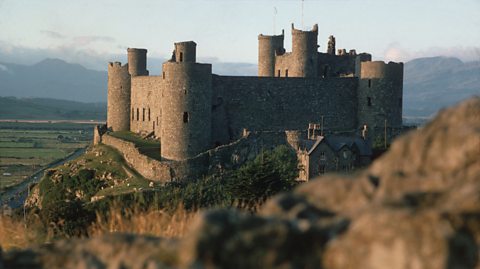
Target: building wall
145, 109
324, 160
273, 104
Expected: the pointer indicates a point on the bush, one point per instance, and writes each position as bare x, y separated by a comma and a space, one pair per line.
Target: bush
270, 173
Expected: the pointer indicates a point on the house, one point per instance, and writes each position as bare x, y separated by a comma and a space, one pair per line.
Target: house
321, 154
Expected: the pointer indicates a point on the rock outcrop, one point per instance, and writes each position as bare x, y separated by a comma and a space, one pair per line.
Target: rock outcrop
418, 206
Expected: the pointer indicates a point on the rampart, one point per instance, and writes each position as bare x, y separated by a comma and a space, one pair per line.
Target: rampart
274, 104
216, 160
147, 167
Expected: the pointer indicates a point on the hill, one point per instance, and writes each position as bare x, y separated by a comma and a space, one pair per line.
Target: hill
50, 109
433, 83
53, 78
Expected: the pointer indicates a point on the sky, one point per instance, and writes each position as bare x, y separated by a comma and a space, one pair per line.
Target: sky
93, 32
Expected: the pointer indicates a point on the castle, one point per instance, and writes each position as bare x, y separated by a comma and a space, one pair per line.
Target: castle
190, 110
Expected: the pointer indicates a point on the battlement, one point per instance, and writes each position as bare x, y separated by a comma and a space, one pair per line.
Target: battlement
381, 70
117, 65
298, 31
262, 36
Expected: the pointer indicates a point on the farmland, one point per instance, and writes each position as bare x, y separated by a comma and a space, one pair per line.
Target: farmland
26, 147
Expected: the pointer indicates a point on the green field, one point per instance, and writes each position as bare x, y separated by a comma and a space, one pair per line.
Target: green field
28, 147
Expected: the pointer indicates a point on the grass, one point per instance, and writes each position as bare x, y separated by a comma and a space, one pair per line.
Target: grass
149, 147
150, 222
27, 153
14, 234
27, 147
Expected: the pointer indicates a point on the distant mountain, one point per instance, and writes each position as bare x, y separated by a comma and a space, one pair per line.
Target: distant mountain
50, 109
433, 83
53, 78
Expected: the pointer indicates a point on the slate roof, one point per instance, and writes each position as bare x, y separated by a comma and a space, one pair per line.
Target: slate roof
338, 142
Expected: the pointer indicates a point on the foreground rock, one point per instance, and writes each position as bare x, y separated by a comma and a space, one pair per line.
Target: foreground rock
416, 207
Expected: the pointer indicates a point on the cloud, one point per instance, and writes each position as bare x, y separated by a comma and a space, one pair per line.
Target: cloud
395, 52
52, 34
3, 67
87, 40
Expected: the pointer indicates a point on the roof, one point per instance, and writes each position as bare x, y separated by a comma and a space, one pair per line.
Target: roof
336, 143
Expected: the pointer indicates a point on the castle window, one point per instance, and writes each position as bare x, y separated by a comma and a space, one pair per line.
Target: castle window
181, 56
157, 121
138, 114
369, 101
322, 156
185, 117
153, 124
143, 114
163, 75
369, 83
148, 114
133, 113
278, 73
286, 73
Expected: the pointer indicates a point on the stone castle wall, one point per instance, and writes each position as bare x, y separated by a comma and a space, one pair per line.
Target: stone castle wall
274, 104
145, 105
147, 167
216, 160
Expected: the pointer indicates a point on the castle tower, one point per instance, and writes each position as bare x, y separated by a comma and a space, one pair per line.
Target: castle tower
304, 51
380, 94
186, 105
118, 107
268, 47
137, 62
186, 52
331, 45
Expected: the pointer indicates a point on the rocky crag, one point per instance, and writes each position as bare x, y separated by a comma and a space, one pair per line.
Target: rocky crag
416, 207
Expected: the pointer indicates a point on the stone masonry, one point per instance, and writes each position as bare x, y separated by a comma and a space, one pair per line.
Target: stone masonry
190, 110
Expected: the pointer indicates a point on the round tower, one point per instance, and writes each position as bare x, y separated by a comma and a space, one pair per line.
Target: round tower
118, 107
305, 52
268, 48
186, 105
186, 52
380, 93
137, 62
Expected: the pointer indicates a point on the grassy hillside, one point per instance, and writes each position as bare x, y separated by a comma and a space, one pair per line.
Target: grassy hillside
50, 109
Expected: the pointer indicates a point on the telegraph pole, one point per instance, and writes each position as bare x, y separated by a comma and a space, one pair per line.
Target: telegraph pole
303, 27
385, 133
321, 130
274, 19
